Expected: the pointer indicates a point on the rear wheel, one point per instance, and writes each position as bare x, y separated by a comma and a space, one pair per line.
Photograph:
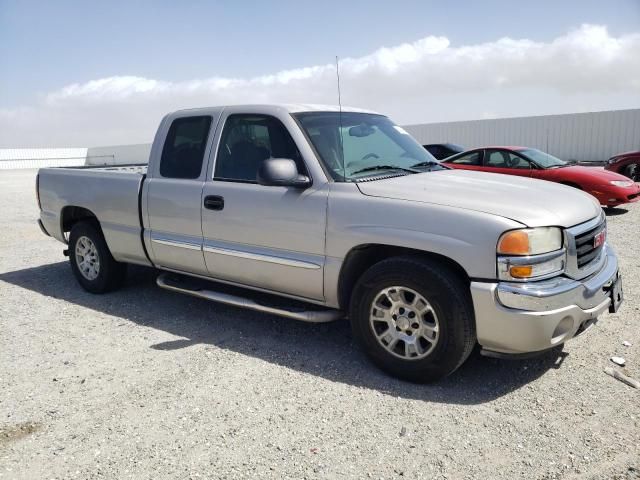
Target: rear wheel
414, 318
91, 261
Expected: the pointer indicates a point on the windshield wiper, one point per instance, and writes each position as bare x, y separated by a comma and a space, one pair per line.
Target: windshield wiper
384, 167
427, 163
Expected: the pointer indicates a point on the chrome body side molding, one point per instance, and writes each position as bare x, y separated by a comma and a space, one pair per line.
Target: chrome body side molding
175, 243
261, 257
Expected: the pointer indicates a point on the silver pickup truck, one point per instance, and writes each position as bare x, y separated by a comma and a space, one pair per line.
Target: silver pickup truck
320, 213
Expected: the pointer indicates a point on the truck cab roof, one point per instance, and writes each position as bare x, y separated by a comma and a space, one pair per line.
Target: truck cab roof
288, 107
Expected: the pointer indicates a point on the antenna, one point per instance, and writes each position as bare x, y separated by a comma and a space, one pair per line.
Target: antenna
344, 170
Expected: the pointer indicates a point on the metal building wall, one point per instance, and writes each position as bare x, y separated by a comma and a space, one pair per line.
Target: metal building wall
578, 136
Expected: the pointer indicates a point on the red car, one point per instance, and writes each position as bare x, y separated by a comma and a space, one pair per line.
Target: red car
609, 188
628, 164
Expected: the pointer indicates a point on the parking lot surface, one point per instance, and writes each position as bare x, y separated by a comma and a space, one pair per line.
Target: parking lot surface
146, 384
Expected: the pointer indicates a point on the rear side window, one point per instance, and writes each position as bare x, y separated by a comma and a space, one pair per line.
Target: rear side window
183, 152
472, 158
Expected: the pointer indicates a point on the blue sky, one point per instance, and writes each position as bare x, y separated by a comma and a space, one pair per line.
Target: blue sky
46, 46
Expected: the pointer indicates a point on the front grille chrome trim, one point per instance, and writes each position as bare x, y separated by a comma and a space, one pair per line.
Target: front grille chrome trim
574, 270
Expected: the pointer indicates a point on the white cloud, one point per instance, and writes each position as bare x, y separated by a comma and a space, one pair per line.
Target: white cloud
427, 80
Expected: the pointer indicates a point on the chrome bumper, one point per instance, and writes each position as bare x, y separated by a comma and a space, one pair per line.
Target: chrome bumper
529, 317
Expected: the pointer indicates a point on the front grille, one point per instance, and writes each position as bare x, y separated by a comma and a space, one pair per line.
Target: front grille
585, 251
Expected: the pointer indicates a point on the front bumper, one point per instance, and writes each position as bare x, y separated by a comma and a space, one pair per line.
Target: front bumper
516, 318
44, 230
614, 196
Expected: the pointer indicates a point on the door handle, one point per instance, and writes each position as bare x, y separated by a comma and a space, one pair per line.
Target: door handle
213, 202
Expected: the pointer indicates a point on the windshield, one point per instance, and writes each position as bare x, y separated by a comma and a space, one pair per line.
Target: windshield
542, 158
372, 145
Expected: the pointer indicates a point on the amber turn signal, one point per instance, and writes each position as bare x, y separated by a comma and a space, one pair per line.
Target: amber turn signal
521, 271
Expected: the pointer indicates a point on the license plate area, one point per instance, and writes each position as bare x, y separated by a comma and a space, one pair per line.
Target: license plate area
616, 294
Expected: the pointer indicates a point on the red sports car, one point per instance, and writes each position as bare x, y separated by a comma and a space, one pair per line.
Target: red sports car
628, 164
609, 188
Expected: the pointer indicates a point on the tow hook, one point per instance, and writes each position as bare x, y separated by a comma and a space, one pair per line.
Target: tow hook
65, 252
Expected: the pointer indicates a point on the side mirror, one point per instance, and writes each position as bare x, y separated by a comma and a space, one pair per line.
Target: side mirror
281, 172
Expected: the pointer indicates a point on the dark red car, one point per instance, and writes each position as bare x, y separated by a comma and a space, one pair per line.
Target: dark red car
609, 188
627, 164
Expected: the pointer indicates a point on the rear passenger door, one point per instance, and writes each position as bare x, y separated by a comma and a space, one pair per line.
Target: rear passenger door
174, 192
506, 162
265, 237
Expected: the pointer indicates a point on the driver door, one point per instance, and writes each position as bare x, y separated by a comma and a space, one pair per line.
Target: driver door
268, 237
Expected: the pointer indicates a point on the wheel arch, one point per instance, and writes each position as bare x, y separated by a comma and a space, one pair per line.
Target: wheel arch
72, 214
361, 257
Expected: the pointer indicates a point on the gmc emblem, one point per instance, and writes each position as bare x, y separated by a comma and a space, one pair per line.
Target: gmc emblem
599, 238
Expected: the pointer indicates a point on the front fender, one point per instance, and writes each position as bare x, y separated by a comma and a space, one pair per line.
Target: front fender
466, 237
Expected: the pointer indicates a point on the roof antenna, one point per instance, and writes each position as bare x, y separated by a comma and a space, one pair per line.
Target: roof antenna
344, 170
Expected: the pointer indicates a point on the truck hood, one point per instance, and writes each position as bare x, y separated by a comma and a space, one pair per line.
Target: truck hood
533, 203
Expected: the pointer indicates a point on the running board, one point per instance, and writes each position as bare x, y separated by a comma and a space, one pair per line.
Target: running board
173, 283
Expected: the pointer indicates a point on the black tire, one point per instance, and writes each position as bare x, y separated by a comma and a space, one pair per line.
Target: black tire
632, 171
111, 274
450, 299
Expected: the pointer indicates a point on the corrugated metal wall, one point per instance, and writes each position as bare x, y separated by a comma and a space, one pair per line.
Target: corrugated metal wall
578, 136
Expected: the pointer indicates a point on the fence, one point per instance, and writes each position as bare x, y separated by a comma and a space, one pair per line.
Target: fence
11, 158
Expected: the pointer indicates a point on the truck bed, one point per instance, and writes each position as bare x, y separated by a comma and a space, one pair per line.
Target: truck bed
111, 194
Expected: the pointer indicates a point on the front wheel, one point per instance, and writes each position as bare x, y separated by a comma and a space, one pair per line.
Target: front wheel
632, 171
91, 261
414, 318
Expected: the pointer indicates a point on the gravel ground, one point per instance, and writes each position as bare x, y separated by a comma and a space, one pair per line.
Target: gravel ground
143, 383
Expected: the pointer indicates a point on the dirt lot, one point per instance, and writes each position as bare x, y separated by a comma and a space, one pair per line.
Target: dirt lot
143, 384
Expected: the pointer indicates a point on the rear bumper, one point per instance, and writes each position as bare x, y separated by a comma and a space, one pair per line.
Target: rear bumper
522, 318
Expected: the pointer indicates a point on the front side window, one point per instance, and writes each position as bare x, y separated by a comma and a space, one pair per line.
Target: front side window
246, 141
183, 151
356, 145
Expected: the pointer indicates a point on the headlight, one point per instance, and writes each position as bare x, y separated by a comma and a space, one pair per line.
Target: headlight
531, 254
530, 241
621, 183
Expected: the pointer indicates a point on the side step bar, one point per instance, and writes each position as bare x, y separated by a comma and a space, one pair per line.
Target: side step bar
165, 281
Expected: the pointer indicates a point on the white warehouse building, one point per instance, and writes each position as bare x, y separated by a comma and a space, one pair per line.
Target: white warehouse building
584, 137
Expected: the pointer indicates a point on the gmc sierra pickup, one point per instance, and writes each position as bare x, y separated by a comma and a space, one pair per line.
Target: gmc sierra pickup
320, 214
